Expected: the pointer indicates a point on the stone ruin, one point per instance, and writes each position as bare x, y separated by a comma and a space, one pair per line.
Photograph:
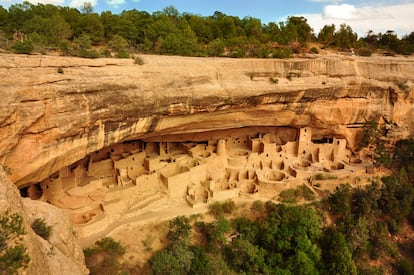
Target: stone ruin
122, 182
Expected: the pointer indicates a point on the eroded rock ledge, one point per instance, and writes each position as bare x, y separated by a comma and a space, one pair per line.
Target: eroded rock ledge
49, 120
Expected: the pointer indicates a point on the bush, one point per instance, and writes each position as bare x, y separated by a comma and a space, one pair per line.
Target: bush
109, 245
102, 257
258, 206
60, 71
179, 229
274, 80
292, 195
41, 228
139, 61
218, 209
314, 50
228, 207
282, 53
13, 254
215, 209
288, 196
25, 47
88, 53
123, 53
364, 52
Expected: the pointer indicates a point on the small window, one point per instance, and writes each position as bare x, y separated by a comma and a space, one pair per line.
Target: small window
305, 130
304, 152
337, 142
112, 150
133, 158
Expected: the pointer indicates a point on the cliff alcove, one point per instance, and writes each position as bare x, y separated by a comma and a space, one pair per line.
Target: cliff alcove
110, 141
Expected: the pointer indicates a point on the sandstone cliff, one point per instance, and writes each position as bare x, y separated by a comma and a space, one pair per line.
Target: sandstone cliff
49, 120
61, 254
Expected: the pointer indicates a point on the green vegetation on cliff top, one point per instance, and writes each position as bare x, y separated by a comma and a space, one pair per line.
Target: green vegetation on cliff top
26, 28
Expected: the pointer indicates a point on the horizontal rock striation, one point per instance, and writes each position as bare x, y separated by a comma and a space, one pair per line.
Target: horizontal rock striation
57, 110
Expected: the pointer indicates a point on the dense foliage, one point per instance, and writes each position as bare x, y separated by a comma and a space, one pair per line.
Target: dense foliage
13, 255
26, 27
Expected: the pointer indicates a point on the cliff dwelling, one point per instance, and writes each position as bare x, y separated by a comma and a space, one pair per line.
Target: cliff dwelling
119, 183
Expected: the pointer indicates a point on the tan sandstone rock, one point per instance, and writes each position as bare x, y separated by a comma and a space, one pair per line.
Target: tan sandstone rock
49, 120
59, 255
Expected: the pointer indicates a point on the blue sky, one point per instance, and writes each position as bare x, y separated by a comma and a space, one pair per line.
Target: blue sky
364, 15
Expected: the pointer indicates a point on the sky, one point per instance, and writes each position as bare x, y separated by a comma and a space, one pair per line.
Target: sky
362, 16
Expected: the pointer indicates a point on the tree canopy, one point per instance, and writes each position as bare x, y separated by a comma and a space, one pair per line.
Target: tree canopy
171, 32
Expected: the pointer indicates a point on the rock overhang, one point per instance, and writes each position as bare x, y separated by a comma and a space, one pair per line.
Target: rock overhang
50, 120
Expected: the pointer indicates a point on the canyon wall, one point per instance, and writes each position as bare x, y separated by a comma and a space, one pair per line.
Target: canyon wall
61, 253
57, 110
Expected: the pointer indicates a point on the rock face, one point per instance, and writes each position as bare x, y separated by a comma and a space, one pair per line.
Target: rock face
61, 254
52, 118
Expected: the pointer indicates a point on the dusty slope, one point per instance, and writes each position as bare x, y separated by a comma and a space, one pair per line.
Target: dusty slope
49, 120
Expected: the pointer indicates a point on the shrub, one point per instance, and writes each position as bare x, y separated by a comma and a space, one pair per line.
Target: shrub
25, 47
258, 206
60, 71
274, 80
41, 228
139, 61
292, 195
13, 254
88, 53
218, 209
123, 53
109, 245
102, 257
282, 53
215, 209
228, 206
179, 229
403, 85
314, 50
364, 52
288, 196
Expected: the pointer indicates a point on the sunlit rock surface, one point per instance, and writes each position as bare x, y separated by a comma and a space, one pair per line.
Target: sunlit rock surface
50, 120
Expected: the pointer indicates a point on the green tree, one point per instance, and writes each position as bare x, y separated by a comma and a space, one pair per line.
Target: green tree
119, 45
3, 18
244, 256
298, 30
345, 37
200, 265
338, 256
180, 229
326, 35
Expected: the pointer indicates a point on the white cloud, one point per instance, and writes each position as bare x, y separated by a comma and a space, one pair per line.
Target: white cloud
80, 3
350, 12
362, 19
115, 3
